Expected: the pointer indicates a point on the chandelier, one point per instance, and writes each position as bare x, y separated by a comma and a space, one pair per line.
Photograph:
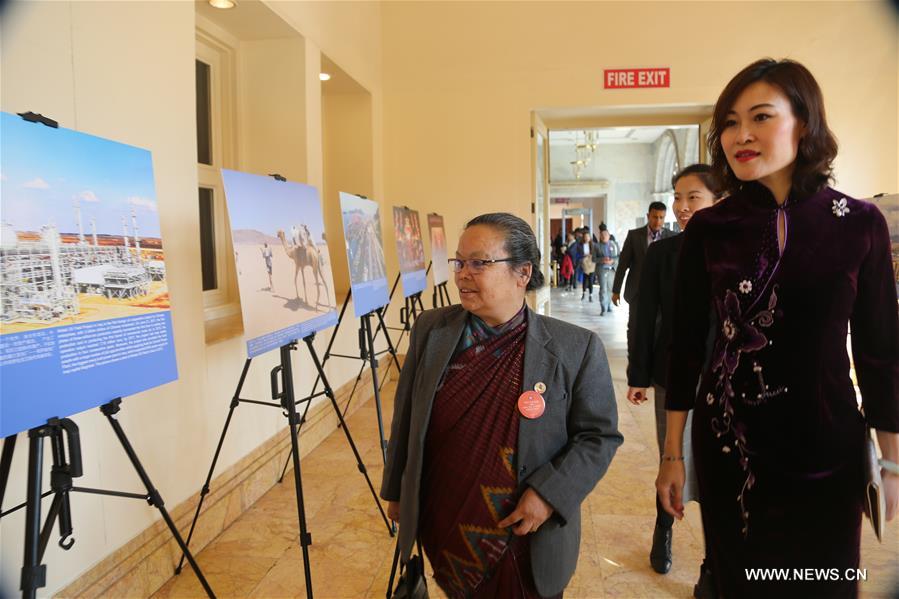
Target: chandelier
585, 143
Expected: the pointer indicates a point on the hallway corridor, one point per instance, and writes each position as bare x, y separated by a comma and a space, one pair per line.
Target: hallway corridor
258, 556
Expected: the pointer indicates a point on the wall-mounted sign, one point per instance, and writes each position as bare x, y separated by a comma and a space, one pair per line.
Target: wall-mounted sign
636, 78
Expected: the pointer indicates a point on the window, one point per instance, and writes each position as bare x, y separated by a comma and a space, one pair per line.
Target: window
215, 150
207, 238
204, 115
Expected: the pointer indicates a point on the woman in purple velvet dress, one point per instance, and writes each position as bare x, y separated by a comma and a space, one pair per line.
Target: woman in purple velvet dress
788, 265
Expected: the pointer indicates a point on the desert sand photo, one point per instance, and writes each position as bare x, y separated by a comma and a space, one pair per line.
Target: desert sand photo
283, 265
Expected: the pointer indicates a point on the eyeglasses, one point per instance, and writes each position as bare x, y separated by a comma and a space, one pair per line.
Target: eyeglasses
474, 265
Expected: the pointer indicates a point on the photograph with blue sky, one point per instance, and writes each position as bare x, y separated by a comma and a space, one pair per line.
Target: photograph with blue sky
44, 172
266, 205
284, 272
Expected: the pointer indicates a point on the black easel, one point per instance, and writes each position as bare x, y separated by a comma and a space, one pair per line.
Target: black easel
411, 310
63, 433
408, 313
287, 402
441, 297
369, 357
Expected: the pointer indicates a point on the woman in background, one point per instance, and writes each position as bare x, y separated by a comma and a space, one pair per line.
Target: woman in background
695, 188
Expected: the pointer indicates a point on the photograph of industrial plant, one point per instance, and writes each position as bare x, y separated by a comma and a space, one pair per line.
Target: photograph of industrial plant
283, 265
79, 237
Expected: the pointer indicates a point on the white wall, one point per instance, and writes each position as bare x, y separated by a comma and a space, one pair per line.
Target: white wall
272, 103
347, 146
461, 78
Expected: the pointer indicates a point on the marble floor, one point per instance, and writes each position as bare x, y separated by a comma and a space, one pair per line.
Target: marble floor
259, 555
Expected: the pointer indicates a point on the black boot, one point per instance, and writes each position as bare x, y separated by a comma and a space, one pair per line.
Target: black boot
705, 586
660, 555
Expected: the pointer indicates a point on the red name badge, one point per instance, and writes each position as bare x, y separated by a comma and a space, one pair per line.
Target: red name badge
531, 404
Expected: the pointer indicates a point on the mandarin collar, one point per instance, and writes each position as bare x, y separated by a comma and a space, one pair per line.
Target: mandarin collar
762, 196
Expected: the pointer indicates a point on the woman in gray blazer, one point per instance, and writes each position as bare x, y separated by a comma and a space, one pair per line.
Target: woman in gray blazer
504, 420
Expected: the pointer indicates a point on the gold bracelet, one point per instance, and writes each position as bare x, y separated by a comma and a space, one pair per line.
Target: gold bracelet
670, 458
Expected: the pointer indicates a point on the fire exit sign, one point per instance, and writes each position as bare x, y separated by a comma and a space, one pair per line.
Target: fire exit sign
636, 78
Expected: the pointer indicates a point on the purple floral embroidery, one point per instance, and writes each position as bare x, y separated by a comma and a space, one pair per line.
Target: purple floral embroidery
739, 335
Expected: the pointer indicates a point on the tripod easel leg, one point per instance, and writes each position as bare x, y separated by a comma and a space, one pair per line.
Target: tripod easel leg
373, 362
346, 431
109, 410
9, 446
287, 401
382, 326
235, 401
421, 306
355, 384
34, 574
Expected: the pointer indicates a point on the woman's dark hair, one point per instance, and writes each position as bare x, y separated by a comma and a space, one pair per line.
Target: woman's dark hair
521, 244
704, 173
817, 148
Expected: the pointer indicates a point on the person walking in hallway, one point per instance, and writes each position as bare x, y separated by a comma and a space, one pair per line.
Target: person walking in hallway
578, 250
590, 257
695, 188
630, 262
608, 261
779, 441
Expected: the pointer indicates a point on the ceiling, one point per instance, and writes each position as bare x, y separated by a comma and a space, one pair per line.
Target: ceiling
250, 20
646, 114
612, 135
340, 82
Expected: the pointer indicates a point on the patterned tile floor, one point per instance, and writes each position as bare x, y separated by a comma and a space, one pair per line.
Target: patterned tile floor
258, 556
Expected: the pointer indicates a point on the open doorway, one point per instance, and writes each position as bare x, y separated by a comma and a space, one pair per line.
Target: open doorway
610, 175
605, 167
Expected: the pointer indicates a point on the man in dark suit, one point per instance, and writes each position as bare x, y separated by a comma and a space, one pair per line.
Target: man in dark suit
632, 255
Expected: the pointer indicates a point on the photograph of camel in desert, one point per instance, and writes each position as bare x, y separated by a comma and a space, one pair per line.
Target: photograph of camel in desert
303, 252
281, 254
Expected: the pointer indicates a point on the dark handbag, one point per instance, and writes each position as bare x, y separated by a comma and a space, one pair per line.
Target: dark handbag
412, 583
874, 504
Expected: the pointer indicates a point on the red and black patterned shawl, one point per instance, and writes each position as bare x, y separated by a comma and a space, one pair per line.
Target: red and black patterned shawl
469, 481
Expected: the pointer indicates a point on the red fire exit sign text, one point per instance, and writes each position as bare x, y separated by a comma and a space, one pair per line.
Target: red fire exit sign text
636, 78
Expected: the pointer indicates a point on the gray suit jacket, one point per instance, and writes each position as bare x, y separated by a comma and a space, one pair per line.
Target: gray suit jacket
632, 255
562, 454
